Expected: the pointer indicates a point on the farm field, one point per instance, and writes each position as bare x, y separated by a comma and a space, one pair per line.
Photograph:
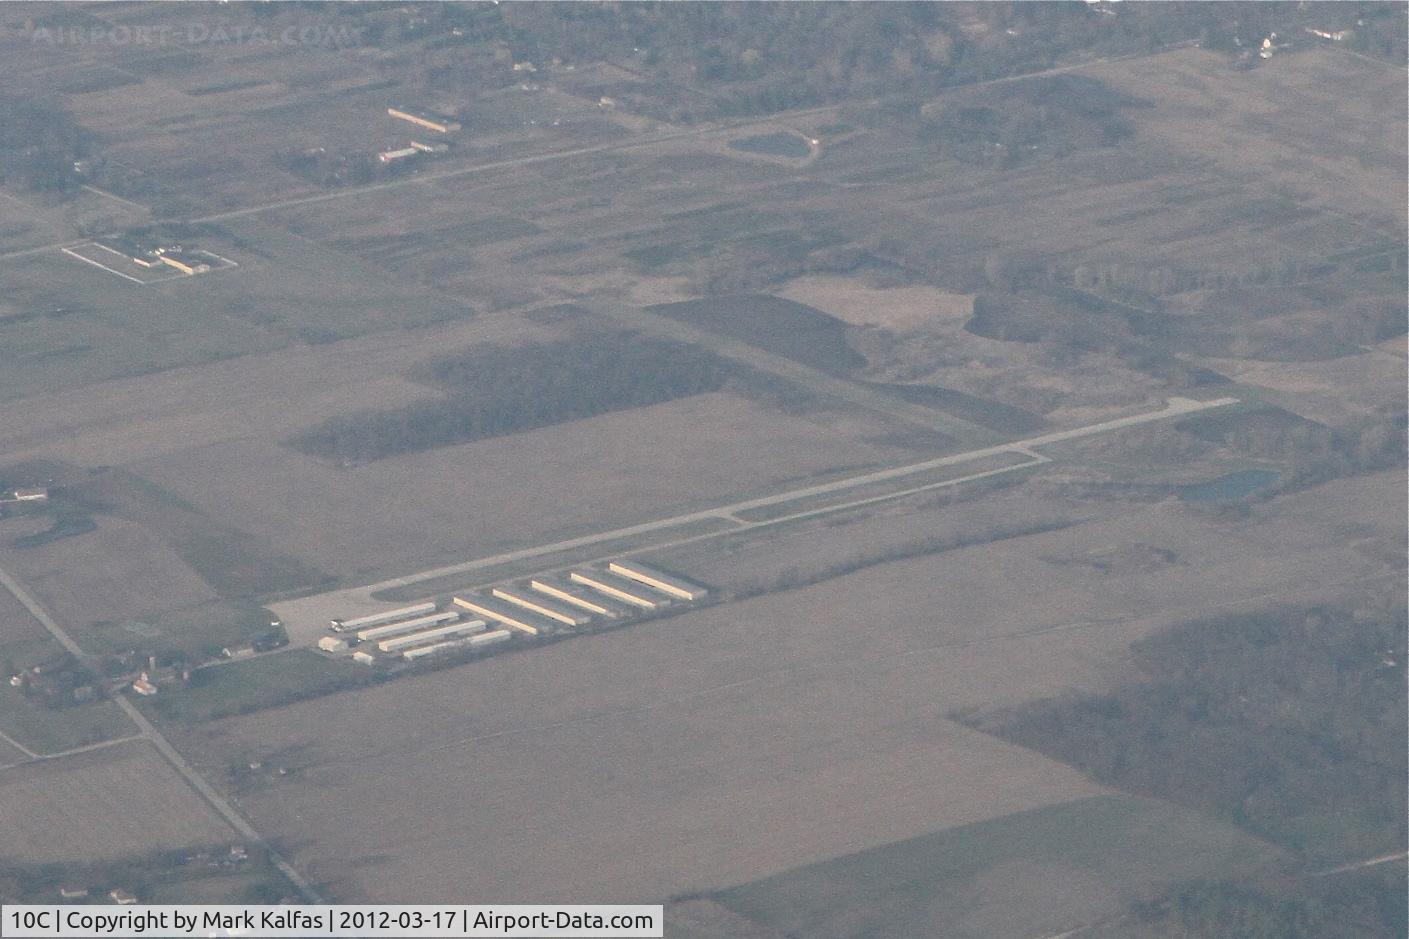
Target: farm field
270, 396
753, 561
1331, 392
20, 635
112, 328
96, 806
32, 221
1272, 124
834, 493
643, 283
408, 219
1021, 874
762, 714
895, 308
477, 499
223, 689
47, 732
107, 574
519, 783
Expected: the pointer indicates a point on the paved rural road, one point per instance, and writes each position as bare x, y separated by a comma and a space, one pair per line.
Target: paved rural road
305, 617
149, 731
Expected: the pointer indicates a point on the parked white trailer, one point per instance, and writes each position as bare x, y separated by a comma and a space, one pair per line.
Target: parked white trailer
408, 626
618, 588
486, 639
386, 616
564, 614
397, 643
658, 580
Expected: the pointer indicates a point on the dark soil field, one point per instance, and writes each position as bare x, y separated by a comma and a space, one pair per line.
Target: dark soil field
96, 806
782, 327
1016, 875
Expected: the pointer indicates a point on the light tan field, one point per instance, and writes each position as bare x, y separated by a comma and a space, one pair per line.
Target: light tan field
1283, 124
413, 512
121, 571
661, 753
1334, 391
1087, 389
100, 806
1341, 536
659, 757
269, 395
896, 308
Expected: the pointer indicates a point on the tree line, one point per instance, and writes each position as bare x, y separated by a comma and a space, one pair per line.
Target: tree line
39, 144
1289, 723
705, 61
497, 390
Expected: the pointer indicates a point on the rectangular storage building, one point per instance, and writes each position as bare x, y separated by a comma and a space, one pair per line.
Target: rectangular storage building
592, 603
659, 580
397, 643
426, 119
522, 620
616, 587
567, 615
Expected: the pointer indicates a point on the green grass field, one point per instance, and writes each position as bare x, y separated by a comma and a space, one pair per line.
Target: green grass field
250, 684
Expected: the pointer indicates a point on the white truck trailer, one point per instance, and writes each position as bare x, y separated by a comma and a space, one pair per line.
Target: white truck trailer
377, 619
407, 626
